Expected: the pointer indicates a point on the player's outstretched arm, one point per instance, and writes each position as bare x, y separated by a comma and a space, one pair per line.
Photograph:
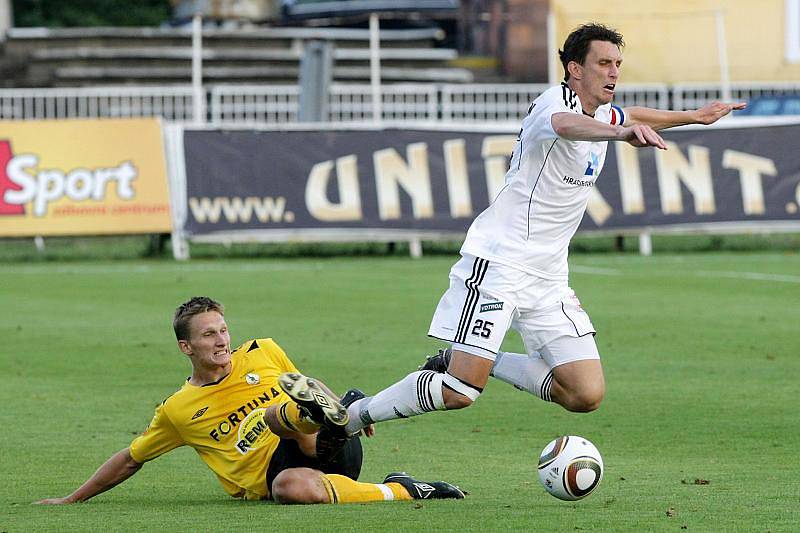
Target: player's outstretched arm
114, 471
660, 119
574, 127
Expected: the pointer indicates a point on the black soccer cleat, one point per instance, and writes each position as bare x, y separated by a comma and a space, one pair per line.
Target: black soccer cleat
425, 490
321, 407
330, 442
351, 396
438, 362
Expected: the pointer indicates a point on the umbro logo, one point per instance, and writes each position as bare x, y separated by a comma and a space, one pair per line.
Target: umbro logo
424, 490
200, 413
321, 400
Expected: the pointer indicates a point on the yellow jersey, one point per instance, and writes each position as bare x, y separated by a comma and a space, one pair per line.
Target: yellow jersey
223, 421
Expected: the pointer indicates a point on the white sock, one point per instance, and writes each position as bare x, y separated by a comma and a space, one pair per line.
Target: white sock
528, 373
417, 393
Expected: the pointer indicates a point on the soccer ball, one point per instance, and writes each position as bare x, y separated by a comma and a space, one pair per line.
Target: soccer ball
570, 467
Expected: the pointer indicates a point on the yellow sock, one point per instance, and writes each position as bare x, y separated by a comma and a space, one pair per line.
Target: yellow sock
342, 489
292, 418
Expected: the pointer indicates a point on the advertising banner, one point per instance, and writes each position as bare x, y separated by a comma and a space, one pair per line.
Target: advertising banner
82, 177
440, 180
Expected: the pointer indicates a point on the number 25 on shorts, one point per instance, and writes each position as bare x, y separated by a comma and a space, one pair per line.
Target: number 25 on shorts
482, 328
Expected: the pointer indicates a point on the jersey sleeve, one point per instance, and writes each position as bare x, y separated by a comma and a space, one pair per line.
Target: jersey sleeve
538, 126
159, 438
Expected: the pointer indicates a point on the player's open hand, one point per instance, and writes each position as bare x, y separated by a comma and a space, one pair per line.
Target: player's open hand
53, 501
710, 113
640, 135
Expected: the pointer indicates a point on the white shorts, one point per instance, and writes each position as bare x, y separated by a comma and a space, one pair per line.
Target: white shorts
485, 299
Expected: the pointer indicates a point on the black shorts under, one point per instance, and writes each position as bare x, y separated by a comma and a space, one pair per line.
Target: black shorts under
289, 455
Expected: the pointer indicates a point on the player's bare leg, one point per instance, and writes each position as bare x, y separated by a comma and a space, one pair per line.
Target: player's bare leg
299, 485
578, 386
306, 441
271, 418
306, 485
467, 368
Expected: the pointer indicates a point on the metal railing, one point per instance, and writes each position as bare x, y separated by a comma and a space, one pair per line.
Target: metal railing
402, 102
694, 95
510, 102
249, 104
243, 105
655, 95
482, 102
171, 103
254, 104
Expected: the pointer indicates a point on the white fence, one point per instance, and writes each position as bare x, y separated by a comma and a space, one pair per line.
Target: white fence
260, 105
692, 96
504, 102
248, 105
402, 103
172, 103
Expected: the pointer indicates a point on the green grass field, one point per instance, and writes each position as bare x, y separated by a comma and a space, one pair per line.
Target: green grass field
701, 353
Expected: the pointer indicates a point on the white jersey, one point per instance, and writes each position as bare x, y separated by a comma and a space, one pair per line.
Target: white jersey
547, 187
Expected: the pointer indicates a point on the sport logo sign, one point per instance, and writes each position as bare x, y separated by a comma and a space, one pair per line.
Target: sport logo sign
23, 182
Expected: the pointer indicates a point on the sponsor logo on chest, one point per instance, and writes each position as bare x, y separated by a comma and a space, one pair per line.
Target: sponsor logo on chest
246, 422
569, 180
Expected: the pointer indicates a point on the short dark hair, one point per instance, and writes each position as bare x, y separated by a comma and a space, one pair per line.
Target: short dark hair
576, 47
189, 309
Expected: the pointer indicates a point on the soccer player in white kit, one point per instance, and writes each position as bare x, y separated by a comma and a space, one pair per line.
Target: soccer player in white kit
513, 272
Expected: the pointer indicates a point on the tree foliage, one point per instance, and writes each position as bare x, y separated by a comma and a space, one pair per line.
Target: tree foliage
81, 13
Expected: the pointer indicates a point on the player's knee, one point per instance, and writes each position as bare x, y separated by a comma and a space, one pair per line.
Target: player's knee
586, 399
298, 485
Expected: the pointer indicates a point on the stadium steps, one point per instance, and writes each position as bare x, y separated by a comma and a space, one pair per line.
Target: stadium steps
70, 57
134, 36
234, 54
73, 76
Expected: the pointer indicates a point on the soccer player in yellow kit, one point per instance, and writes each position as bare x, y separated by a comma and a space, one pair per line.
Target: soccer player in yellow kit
260, 443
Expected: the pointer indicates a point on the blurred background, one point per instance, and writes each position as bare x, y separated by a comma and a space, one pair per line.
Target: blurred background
335, 66
478, 40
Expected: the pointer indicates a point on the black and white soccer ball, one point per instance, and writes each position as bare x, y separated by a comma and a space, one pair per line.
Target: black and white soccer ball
570, 467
